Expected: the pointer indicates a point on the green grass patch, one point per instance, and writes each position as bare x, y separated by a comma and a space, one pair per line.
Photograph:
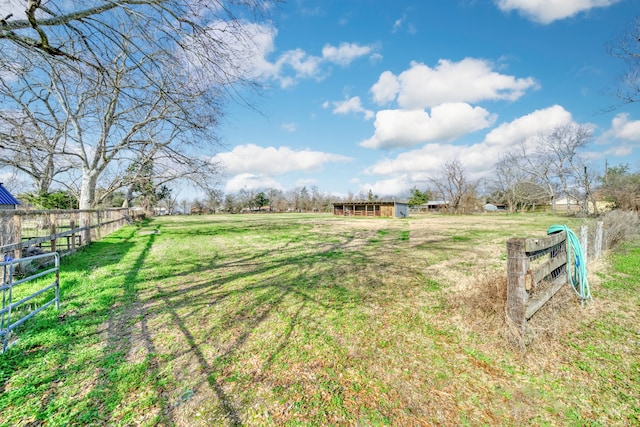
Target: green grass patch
311, 320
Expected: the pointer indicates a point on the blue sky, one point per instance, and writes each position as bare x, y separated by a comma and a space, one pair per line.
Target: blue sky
371, 94
377, 95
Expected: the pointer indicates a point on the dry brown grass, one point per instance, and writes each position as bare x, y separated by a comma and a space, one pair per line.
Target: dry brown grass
620, 226
481, 302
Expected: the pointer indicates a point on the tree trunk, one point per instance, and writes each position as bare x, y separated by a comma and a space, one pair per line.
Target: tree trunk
88, 189
128, 198
45, 179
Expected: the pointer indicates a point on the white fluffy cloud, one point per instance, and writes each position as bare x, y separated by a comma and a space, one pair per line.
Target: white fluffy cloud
529, 126
345, 53
388, 187
447, 90
547, 11
289, 127
624, 128
416, 164
414, 167
386, 88
470, 80
406, 128
254, 55
249, 181
293, 65
253, 167
271, 161
624, 136
351, 105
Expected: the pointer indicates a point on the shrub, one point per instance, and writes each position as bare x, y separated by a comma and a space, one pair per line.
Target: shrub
620, 226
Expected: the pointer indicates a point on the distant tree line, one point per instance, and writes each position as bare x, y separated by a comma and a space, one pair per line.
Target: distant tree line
299, 199
539, 172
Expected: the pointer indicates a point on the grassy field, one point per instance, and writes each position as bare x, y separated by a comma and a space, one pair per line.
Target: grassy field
296, 320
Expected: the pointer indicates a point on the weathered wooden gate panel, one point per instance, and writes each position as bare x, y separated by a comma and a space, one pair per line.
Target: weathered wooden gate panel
386, 211
522, 278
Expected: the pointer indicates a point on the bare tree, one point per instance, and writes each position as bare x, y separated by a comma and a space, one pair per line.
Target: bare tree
170, 203
562, 148
112, 119
538, 165
231, 204
550, 165
529, 194
213, 201
586, 180
247, 198
277, 200
169, 164
627, 48
127, 78
305, 199
508, 172
123, 120
13, 183
31, 127
91, 32
454, 187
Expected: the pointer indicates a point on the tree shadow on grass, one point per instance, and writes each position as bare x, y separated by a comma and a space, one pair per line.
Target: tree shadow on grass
288, 282
245, 297
44, 351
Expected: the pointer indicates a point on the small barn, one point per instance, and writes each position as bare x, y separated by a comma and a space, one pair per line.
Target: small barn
376, 208
7, 201
434, 206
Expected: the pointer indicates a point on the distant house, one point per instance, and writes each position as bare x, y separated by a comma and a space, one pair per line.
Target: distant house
572, 204
7, 201
494, 207
434, 206
565, 202
388, 209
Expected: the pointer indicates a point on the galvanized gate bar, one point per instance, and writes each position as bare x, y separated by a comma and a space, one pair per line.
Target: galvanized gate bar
8, 284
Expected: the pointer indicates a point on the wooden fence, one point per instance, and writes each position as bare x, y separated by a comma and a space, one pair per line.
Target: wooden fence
537, 268
30, 232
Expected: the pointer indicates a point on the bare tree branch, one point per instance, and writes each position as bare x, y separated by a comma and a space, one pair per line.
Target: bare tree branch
104, 83
627, 49
452, 185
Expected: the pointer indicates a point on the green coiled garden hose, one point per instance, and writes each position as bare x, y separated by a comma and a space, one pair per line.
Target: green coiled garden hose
577, 274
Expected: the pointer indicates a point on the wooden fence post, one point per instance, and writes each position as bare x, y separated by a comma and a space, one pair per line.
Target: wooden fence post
73, 223
17, 235
85, 221
598, 240
52, 220
107, 218
99, 219
584, 242
517, 267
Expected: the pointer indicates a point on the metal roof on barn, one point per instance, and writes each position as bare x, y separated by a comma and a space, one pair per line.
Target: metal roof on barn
6, 198
372, 202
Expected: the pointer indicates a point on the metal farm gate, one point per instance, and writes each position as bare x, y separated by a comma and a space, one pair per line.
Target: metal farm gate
15, 313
